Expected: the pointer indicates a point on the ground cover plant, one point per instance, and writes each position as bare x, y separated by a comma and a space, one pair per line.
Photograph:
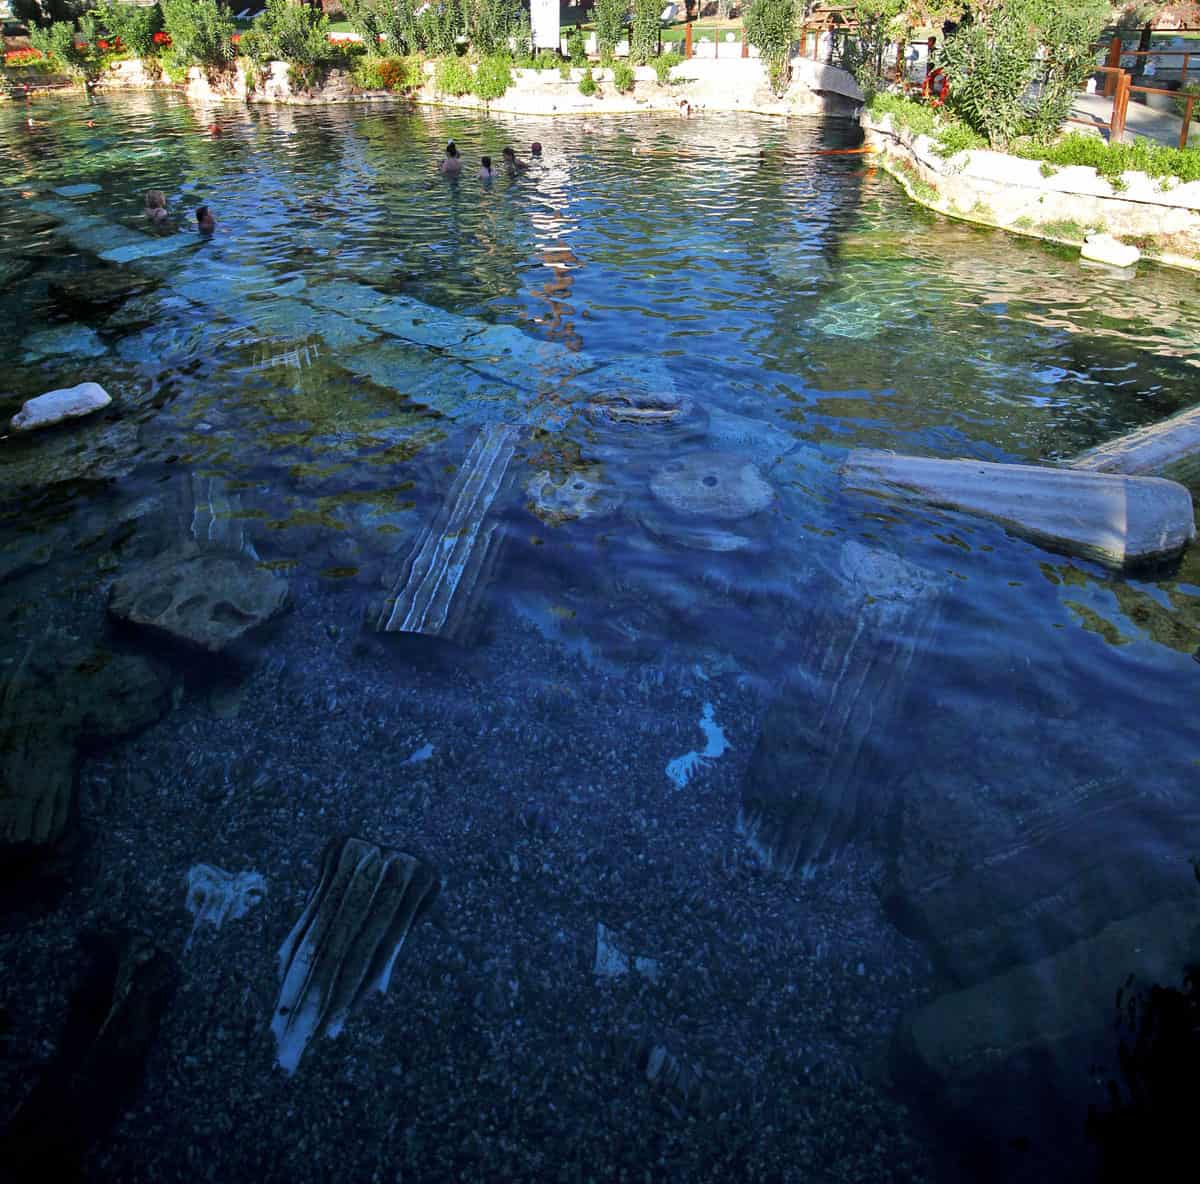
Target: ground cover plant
951, 135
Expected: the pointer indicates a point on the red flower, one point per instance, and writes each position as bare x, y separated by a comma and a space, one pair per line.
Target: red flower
161, 38
236, 38
102, 44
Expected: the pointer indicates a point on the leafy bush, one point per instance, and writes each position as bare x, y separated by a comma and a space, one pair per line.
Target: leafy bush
292, 33
376, 73
452, 76
57, 42
575, 48
393, 21
493, 77
623, 77
547, 60
609, 16
201, 32
133, 24
954, 137
906, 113
1181, 97
643, 33
663, 64
439, 27
587, 84
1111, 160
489, 24
994, 61
771, 28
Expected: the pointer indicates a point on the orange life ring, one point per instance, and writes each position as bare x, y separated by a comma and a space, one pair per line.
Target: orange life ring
936, 87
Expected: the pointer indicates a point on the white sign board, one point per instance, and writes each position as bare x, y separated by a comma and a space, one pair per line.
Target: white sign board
543, 16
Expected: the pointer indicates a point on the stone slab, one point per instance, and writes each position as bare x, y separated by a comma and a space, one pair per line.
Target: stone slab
71, 402
968, 1034
1116, 520
1103, 248
1171, 447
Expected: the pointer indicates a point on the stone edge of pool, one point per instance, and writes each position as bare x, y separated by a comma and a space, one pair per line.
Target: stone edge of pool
1010, 193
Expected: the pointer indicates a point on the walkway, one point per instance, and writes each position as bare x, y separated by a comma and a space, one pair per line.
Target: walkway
1141, 122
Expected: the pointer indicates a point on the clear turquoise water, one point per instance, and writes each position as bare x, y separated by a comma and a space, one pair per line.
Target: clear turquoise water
319, 368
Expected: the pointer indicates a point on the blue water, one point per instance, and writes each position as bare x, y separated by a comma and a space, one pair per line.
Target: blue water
302, 388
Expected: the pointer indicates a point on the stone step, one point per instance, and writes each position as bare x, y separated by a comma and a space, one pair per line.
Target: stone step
1116, 520
446, 571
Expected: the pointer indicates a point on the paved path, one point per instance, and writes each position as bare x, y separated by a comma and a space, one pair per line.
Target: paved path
1141, 122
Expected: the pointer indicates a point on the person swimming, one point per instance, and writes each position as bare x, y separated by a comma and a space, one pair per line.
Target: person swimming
156, 207
535, 150
512, 164
486, 172
451, 163
205, 222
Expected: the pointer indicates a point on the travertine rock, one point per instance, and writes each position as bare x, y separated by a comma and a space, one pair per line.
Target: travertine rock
208, 600
1103, 248
56, 406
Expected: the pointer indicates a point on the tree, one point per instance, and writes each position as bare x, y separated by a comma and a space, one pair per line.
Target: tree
995, 59
44, 12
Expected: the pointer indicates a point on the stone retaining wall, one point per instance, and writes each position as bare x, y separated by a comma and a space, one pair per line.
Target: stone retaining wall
739, 84
994, 189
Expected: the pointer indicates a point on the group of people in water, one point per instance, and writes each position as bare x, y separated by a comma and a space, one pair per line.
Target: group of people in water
450, 166
160, 217
452, 163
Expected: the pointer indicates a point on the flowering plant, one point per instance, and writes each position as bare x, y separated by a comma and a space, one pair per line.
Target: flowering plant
23, 57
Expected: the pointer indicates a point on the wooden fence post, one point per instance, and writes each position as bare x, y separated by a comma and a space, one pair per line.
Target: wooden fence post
1187, 122
1116, 129
1114, 60
687, 40
745, 46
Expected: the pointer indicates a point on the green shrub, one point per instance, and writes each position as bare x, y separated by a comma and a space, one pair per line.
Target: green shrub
575, 48
386, 26
954, 136
771, 28
906, 113
587, 84
623, 77
493, 76
663, 64
547, 60
1112, 160
57, 42
1181, 97
439, 27
201, 32
490, 23
643, 32
564, 70
452, 76
376, 73
994, 60
609, 16
133, 24
287, 32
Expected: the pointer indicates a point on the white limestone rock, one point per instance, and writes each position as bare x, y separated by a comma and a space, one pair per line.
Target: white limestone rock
1103, 248
55, 406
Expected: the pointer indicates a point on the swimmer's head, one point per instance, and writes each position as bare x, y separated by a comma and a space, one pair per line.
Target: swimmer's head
486, 161
535, 149
205, 222
509, 154
451, 148
156, 199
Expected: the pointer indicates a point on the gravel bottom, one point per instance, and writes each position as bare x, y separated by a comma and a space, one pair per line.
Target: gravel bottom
497, 1053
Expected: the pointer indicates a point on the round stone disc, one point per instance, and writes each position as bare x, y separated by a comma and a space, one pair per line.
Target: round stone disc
718, 486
